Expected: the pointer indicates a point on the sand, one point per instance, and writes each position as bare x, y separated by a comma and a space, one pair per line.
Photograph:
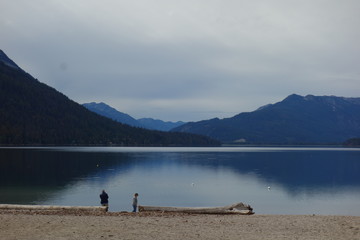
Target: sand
40, 225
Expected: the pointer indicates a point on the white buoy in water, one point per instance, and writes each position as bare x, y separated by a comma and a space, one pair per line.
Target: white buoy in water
269, 188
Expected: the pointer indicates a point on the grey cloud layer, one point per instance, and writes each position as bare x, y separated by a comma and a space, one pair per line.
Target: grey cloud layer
186, 60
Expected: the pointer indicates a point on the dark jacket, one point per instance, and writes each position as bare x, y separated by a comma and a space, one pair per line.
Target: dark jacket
104, 197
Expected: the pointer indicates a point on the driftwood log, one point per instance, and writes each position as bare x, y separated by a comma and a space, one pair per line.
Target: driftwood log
53, 208
237, 208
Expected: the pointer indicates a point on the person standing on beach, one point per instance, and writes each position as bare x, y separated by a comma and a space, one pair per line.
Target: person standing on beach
135, 202
104, 199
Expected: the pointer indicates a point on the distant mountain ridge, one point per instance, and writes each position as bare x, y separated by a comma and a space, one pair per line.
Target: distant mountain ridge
109, 112
148, 123
295, 120
32, 113
160, 125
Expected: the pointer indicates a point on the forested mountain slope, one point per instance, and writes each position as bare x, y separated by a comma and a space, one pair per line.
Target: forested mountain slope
32, 113
295, 120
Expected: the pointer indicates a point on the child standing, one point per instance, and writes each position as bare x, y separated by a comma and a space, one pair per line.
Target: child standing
135, 202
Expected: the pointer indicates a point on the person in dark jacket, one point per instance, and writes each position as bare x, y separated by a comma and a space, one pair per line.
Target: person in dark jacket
104, 199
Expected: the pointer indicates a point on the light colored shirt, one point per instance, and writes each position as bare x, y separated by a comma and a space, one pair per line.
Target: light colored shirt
135, 201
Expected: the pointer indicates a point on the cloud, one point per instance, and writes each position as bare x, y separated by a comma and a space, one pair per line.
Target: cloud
186, 60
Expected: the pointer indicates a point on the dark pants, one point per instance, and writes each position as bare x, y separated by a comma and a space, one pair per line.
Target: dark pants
134, 207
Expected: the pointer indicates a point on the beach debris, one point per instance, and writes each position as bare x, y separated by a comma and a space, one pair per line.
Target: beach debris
237, 208
17, 207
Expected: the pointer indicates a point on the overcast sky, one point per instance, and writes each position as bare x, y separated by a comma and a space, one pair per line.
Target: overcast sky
186, 60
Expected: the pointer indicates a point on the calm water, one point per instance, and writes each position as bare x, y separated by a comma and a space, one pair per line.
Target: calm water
301, 180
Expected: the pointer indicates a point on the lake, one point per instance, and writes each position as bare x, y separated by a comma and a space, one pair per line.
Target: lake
282, 180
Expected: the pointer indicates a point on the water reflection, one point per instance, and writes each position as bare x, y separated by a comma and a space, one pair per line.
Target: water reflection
31, 175
301, 181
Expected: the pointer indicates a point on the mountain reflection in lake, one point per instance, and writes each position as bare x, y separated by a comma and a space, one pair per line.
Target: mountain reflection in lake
271, 180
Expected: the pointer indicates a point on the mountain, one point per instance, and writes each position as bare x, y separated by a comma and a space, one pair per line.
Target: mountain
7, 61
148, 123
32, 113
295, 120
109, 112
156, 124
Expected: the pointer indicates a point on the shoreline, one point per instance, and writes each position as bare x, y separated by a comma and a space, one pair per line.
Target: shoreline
157, 225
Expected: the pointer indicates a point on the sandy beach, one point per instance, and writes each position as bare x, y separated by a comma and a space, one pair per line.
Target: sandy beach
22, 225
